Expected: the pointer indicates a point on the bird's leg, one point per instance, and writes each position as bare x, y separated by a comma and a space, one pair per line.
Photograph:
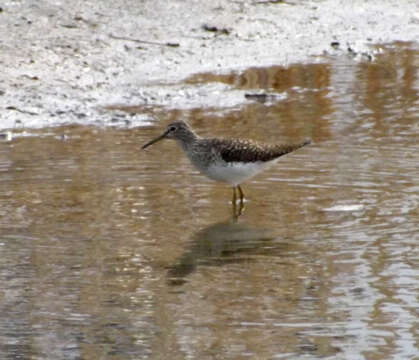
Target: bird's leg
233, 202
234, 195
241, 195
237, 209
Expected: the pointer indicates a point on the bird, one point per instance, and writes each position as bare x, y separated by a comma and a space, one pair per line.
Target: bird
228, 160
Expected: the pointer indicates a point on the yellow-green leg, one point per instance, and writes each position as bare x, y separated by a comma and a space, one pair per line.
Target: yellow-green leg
233, 203
237, 211
241, 194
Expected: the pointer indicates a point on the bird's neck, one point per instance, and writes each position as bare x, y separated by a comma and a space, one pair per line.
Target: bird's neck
188, 140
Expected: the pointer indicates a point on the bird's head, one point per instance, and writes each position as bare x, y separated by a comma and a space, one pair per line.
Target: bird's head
178, 130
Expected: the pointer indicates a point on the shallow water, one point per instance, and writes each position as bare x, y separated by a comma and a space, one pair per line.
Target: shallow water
107, 252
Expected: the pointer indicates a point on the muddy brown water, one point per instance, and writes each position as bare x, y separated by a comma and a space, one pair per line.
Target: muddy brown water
107, 252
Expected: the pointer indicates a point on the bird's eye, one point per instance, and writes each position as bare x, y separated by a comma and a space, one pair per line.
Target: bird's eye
172, 128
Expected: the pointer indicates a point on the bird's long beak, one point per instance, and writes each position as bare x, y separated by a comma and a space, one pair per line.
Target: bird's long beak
158, 138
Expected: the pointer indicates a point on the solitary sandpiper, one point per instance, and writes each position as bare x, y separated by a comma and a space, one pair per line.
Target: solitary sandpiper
228, 160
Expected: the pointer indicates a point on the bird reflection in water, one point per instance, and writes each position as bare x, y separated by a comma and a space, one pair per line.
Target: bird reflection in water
220, 244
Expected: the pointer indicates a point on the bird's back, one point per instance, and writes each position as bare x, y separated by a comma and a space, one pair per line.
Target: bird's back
239, 150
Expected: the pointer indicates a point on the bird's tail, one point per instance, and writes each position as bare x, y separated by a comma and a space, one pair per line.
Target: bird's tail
281, 150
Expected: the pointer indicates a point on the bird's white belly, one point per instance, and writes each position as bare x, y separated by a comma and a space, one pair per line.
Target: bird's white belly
235, 173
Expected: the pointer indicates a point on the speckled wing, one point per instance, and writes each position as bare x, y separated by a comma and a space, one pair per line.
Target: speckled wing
247, 151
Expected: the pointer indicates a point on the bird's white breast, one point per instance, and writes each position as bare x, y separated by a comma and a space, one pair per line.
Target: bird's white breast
235, 173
